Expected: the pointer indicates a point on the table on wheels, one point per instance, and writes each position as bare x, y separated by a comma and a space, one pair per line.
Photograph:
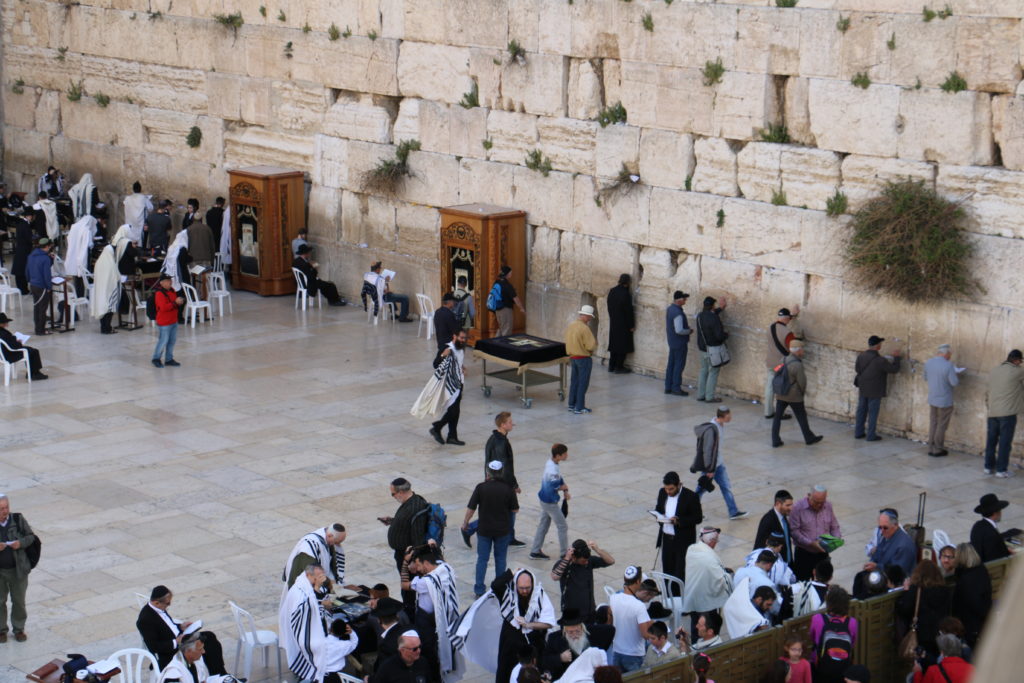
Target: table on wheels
522, 355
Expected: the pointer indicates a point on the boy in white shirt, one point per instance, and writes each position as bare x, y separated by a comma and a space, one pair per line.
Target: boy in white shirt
551, 483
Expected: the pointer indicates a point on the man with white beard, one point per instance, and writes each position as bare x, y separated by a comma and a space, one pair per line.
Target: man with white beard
565, 646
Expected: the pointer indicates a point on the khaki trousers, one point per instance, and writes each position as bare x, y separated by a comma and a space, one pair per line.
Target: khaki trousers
938, 422
506, 318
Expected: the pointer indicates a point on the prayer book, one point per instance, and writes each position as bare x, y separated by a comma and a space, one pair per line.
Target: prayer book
660, 518
23, 338
193, 627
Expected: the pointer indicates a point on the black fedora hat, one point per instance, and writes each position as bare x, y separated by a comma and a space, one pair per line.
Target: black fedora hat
656, 610
990, 504
570, 617
4, 318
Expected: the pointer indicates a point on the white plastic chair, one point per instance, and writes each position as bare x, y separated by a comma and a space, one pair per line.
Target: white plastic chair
302, 291
193, 304
218, 262
137, 666
77, 301
217, 289
251, 638
670, 585
609, 591
10, 366
7, 291
426, 314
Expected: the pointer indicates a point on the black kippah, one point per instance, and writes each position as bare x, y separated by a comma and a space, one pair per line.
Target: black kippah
159, 592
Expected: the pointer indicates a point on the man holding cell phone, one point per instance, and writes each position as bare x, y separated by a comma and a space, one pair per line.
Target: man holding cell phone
15, 537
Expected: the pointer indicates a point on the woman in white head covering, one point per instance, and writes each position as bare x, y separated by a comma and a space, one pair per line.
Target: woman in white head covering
81, 195
106, 291
172, 262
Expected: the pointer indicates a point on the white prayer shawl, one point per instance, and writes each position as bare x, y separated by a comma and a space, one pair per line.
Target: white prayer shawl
444, 594
582, 668
741, 617
302, 630
177, 670
122, 238
135, 208
315, 545
171, 260
81, 196
707, 585
539, 609
49, 209
780, 574
758, 577
443, 387
225, 236
106, 289
478, 631
76, 258
805, 599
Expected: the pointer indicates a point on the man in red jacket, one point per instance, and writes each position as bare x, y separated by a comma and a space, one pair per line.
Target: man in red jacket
167, 304
951, 669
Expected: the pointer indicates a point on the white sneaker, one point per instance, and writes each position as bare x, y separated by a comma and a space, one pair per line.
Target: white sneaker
987, 471
1004, 475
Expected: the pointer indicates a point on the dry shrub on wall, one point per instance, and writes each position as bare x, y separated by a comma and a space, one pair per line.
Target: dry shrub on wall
909, 242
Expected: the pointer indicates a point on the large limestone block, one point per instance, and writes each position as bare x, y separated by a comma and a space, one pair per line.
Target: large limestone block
477, 23
486, 182
950, 128
434, 179
300, 107
666, 158
433, 72
888, 318
845, 118
617, 145
357, 118
536, 87
592, 30
330, 162
744, 104
255, 147
796, 111
116, 124
637, 87
25, 151
547, 200
922, 50
740, 284
551, 309
683, 103
768, 41
709, 31
623, 214
165, 131
993, 199
569, 143
468, 131
822, 311
256, 102
202, 44
325, 211
584, 89
523, 23
545, 255
418, 228
362, 157
172, 176
823, 244
512, 135
820, 45
160, 86
595, 264
355, 63
20, 110
224, 94
368, 220
656, 266
1008, 129
759, 170
809, 176
865, 176
687, 222
424, 21
763, 234
554, 28
988, 53
485, 69
863, 46
716, 167
264, 56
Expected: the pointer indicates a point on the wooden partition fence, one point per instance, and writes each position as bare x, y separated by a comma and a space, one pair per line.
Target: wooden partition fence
745, 660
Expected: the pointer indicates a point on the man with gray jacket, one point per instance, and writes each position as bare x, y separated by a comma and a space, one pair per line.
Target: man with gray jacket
793, 370
709, 460
15, 538
1005, 401
941, 376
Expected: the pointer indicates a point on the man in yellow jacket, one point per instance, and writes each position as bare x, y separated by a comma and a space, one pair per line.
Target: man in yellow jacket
580, 344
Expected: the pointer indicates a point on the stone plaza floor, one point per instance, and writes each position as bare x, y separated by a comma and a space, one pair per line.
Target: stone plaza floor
279, 421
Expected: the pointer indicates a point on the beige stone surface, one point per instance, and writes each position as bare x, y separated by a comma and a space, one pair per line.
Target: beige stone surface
433, 72
744, 104
796, 110
357, 118
686, 221
548, 199
254, 146
486, 182
584, 90
1008, 130
544, 255
864, 176
513, 135
666, 158
537, 86
768, 41
716, 169
433, 179
991, 197
330, 161
845, 118
952, 128
569, 143
623, 213
988, 53
468, 131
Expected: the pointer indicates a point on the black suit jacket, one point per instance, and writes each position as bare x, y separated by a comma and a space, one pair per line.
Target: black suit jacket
599, 635
310, 272
12, 342
988, 542
688, 513
157, 635
769, 523
445, 325
387, 646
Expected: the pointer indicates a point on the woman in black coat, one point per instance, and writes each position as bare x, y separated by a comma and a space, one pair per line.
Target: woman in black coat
936, 603
621, 323
972, 595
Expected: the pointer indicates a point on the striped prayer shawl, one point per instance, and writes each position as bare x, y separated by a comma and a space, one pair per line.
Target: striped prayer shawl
302, 630
301, 662
445, 596
509, 601
315, 545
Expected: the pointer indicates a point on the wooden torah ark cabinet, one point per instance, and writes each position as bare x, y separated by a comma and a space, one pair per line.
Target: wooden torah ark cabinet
476, 241
267, 211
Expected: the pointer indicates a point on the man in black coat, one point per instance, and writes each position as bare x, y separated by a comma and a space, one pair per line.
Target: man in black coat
563, 647
621, 324
215, 219
313, 283
445, 325
777, 520
163, 635
22, 248
872, 370
499, 448
35, 362
405, 667
710, 332
682, 507
985, 536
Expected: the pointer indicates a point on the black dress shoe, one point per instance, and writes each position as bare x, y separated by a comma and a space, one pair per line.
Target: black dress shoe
515, 542
858, 436
437, 435
539, 556
406, 320
785, 417
874, 438
466, 536
815, 440
780, 443
680, 392
668, 391
623, 371
39, 376
455, 441
940, 454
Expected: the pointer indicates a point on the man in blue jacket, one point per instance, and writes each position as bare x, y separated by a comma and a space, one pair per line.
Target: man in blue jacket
39, 282
678, 333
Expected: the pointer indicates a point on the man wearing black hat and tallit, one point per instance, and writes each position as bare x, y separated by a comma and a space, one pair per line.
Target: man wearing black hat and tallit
163, 634
313, 283
564, 646
985, 535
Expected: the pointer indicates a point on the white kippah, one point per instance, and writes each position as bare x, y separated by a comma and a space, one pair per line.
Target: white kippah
631, 573
410, 634
494, 465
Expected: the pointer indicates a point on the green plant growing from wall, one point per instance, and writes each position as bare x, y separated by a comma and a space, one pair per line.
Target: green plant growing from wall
61, 53
18, 87
623, 184
232, 21
909, 242
101, 99
281, 15
263, 10
891, 43
516, 52
75, 91
648, 20
306, 28
720, 218
194, 137
954, 83
927, 13
333, 33
775, 132
346, 33
372, 35
613, 114
843, 25
836, 204
386, 176
536, 161
154, 16
713, 72
487, 143
861, 80
779, 197
688, 183
945, 13
288, 50
785, 3
471, 99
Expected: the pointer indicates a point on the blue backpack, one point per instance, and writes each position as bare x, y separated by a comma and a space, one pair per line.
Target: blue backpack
494, 301
437, 520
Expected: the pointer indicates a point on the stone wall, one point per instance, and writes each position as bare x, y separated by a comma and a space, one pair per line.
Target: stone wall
702, 217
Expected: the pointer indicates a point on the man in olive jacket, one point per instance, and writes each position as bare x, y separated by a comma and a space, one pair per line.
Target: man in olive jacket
1005, 401
794, 398
872, 369
15, 538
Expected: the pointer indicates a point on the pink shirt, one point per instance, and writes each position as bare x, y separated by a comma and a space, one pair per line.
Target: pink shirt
806, 525
818, 626
799, 672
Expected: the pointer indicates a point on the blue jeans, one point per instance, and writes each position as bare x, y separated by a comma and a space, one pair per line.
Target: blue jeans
168, 336
722, 479
403, 303
484, 544
708, 378
674, 369
476, 523
1000, 429
579, 382
866, 408
626, 663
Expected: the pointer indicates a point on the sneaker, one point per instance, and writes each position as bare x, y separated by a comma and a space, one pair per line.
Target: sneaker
739, 515
1004, 475
539, 556
571, 409
515, 542
466, 536
157, 363
987, 471
173, 364
583, 411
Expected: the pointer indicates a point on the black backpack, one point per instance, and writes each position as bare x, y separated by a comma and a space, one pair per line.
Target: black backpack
151, 306
32, 552
835, 651
782, 382
460, 309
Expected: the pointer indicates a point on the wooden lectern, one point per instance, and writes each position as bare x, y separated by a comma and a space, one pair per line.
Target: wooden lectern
267, 211
476, 241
